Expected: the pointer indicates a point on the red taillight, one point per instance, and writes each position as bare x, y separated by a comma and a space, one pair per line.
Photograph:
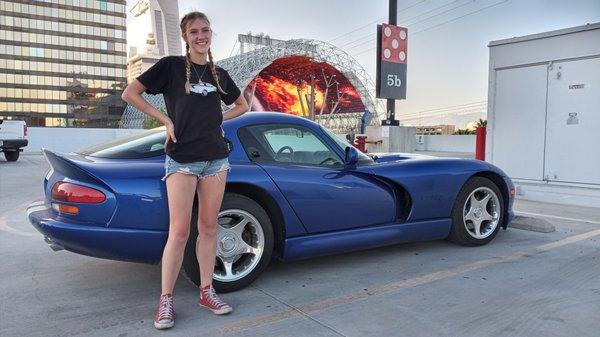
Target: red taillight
70, 192
25, 130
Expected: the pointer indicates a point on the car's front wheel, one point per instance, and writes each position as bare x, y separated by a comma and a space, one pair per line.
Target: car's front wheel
478, 213
244, 244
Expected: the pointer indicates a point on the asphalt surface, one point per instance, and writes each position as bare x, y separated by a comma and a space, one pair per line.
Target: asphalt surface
523, 283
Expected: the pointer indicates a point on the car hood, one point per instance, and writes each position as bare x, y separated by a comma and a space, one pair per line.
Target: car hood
407, 164
386, 157
386, 163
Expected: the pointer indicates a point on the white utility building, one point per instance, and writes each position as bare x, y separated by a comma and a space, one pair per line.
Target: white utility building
544, 114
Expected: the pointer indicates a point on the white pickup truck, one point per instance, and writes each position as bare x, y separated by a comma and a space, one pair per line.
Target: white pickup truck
13, 136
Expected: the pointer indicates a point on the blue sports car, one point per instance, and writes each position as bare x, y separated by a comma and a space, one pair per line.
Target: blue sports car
296, 190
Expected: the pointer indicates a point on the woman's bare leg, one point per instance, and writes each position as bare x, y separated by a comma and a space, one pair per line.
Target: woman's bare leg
180, 191
210, 194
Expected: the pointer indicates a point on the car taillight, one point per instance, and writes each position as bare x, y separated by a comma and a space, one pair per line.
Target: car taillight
63, 191
25, 130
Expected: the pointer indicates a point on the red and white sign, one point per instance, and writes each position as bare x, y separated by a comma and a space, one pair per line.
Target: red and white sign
394, 44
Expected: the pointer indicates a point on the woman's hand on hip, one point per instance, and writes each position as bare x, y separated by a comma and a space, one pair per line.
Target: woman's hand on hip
170, 132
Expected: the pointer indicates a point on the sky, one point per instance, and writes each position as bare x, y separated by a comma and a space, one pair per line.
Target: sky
448, 40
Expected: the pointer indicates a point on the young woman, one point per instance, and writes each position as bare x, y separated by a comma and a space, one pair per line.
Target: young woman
196, 162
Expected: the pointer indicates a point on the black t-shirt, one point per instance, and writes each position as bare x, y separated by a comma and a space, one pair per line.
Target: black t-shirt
197, 116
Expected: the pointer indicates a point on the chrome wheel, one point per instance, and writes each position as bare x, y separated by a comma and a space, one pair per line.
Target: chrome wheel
481, 213
240, 245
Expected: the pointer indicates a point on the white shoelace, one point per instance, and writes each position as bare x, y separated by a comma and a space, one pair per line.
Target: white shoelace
166, 307
214, 299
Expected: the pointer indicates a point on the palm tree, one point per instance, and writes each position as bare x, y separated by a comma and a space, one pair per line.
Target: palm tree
464, 132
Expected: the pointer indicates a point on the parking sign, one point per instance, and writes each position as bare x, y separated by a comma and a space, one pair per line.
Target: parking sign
391, 61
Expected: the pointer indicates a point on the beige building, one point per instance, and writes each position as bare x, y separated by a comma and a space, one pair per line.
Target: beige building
138, 64
62, 62
153, 34
436, 130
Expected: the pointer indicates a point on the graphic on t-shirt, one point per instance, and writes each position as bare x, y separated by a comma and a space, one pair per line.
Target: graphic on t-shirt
203, 88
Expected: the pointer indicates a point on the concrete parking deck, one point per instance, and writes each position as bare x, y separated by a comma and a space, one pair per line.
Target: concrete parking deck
522, 284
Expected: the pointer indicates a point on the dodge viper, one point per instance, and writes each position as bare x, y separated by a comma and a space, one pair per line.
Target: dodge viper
296, 190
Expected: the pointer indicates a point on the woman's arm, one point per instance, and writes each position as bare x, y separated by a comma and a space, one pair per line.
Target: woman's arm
240, 107
133, 95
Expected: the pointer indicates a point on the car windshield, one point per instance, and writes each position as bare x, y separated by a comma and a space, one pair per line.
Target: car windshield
342, 143
145, 144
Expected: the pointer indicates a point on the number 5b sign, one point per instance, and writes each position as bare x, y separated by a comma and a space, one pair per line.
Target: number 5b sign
391, 61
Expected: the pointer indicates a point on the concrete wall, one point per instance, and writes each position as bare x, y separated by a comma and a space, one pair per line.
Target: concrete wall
396, 140
391, 139
557, 193
70, 139
402, 139
447, 143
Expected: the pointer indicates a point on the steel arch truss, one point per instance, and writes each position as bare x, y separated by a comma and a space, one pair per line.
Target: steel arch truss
134, 118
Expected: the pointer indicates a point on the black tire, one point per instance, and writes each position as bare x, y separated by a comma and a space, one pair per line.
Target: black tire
231, 201
11, 155
461, 233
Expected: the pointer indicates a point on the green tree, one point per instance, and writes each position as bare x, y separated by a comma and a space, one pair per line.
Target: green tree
151, 123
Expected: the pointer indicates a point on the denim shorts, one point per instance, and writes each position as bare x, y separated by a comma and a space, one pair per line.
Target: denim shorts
201, 169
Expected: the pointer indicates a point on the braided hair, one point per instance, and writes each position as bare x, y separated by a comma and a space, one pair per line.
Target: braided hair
185, 21
213, 70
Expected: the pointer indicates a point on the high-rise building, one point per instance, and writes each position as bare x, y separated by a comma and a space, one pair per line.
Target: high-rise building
153, 33
63, 62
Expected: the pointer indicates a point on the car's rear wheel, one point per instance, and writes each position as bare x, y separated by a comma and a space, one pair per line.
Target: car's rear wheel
11, 155
478, 213
244, 244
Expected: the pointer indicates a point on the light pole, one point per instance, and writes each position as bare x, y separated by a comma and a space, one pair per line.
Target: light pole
391, 103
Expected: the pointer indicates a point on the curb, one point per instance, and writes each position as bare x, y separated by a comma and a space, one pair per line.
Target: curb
532, 224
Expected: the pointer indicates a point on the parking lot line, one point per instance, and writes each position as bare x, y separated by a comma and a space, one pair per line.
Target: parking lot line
5, 227
306, 310
556, 217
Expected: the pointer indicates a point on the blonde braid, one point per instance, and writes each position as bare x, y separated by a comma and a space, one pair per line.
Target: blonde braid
188, 69
213, 70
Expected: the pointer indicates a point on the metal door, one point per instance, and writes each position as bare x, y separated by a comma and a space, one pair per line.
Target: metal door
573, 123
519, 121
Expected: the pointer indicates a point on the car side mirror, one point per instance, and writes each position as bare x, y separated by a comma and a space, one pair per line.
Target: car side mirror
351, 157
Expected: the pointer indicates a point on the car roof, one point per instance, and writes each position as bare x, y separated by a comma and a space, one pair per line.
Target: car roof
260, 117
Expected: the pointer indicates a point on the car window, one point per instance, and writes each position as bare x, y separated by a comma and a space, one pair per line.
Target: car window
342, 143
140, 145
286, 144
